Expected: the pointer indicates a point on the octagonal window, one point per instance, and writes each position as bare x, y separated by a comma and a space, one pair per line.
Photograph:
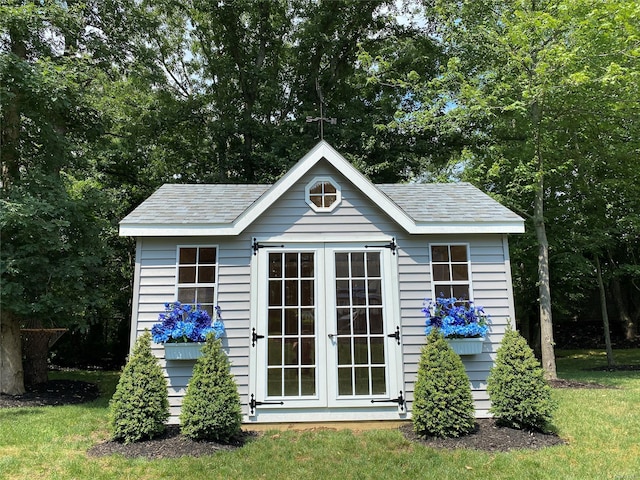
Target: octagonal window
323, 194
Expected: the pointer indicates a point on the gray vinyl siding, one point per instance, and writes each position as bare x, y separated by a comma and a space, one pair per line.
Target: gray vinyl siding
356, 217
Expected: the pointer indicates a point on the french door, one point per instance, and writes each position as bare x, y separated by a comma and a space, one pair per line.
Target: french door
327, 331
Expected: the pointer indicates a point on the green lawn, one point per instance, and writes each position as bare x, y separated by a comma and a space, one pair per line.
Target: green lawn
602, 427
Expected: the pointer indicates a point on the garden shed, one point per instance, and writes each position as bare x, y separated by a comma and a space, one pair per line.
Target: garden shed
321, 279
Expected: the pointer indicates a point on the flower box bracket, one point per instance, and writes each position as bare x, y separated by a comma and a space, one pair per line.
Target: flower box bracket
183, 351
466, 346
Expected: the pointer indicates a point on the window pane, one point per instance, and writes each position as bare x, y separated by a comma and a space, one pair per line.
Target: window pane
188, 255
362, 380
291, 385
275, 265
344, 351
458, 253
291, 351
291, 321
291, 292
344, 381
442, 291
441, 273
205, 295
329, 187
357, 264
206, 274
342, 293
291, 265
308, 322
377, 350
439, 253
308, 381
187, 295
317, 188
275, 322
307, 293
375, 320
308, 351
342, 265
461, 291
306, 264
344, 321
275, 292
378, 386
207, 255
274, 381
329, 200
360, 351
316, 200
373, 264
275, 351
360, 321
359, 294
460, 272
375, 292
187, 275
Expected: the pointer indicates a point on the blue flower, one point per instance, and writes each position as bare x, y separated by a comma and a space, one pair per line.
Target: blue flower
455, 318
185, 323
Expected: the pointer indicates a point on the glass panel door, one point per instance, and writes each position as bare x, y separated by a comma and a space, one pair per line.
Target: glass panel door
360, 340
291, 325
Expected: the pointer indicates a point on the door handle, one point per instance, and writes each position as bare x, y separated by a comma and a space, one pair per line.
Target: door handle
331, 335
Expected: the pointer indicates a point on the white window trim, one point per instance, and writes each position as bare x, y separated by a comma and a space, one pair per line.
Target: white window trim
468, 282
315, 181
196, 284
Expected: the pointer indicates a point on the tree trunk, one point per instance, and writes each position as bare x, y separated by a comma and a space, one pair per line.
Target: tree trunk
544, 289
605, 316
11, 374
630, 326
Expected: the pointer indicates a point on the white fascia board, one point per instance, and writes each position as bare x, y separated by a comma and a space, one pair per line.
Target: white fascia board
176, 230
452, 227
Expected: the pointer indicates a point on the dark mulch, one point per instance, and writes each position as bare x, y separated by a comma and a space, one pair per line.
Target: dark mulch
169, 445
488, 436
53, 392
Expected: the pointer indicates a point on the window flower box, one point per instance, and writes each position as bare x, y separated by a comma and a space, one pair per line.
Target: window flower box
182, 351
466, 346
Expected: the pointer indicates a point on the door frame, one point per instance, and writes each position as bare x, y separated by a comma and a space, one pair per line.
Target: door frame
325, 406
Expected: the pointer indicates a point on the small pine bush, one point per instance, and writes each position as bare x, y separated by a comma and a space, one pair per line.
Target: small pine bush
211, 407
520, 396
140, 405
442, 406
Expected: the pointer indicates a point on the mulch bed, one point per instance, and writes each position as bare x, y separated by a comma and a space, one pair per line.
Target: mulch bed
169, 445
53, 392
488, 436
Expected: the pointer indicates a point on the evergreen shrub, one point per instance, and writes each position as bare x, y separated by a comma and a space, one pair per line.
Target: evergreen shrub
520, 396
211, 406
442, 406
139, 407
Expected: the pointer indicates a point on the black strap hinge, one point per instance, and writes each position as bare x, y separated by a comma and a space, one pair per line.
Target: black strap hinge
400, 401
257, 246
391, 245
396, 335
253, 404
255, 337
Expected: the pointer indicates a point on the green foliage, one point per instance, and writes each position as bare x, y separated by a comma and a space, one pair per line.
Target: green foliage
211, 407
442, 404
520, 396
140, 404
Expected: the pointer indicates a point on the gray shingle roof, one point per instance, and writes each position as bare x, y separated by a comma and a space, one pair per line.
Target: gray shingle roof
180, 204
194, 204
446, 202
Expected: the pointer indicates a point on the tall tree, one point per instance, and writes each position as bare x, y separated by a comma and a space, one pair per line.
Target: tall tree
524, 89
53, 250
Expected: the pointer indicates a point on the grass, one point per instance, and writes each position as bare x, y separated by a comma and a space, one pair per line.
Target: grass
602, 427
